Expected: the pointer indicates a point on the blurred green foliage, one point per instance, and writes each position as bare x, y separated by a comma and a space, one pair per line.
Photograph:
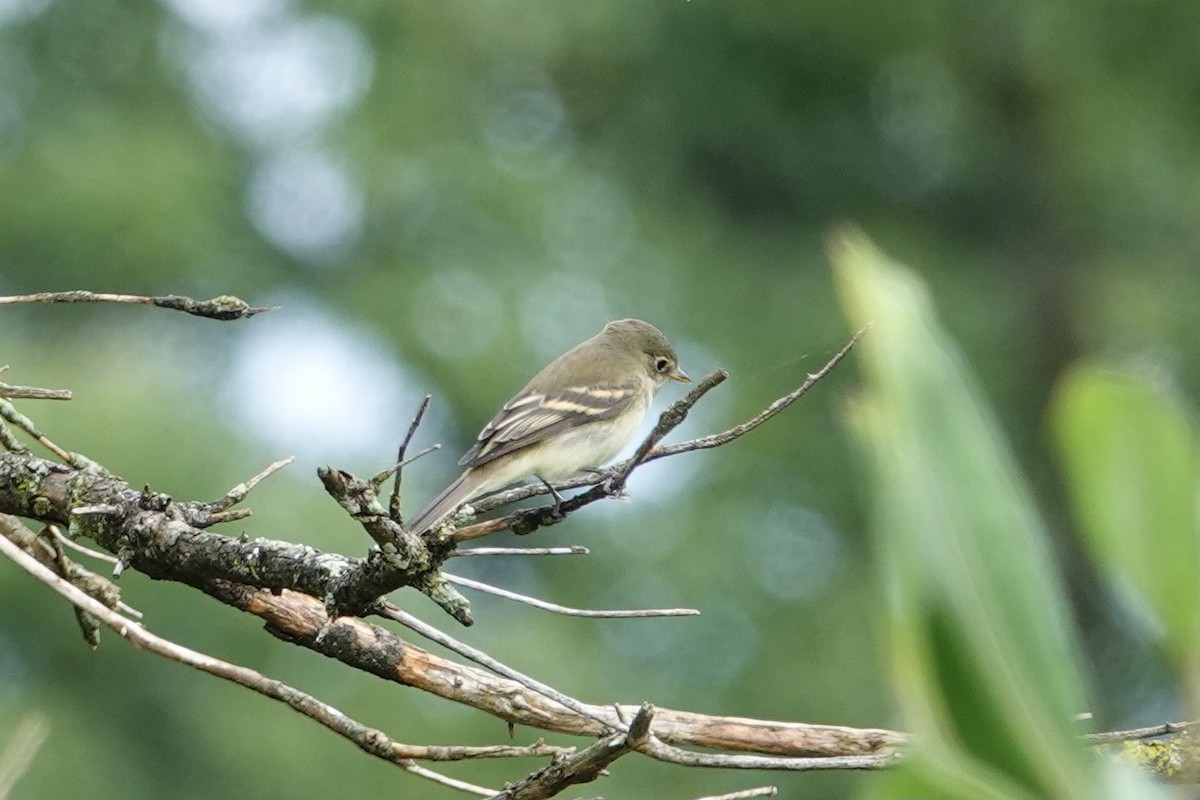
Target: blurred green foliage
442, 197
1132, 457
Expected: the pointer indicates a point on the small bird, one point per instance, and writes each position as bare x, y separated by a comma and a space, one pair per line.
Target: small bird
574, 415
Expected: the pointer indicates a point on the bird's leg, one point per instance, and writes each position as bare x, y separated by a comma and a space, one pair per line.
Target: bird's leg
557, 512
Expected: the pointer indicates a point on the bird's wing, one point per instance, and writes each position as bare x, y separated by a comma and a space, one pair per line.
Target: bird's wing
532, 416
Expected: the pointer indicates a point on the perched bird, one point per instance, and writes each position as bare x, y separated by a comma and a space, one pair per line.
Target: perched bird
576, 414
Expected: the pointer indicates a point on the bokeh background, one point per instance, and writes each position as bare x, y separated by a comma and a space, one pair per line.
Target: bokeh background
441, 197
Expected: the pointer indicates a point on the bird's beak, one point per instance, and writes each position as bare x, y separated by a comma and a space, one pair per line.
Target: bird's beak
679, 375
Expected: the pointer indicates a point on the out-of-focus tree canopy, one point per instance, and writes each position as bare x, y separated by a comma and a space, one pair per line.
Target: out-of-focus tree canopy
443, 196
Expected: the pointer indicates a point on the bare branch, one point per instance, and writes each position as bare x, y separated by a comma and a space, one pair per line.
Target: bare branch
568, 611
301, 619
224, 308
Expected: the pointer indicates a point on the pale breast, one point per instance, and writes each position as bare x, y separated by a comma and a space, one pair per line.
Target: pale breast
592, 445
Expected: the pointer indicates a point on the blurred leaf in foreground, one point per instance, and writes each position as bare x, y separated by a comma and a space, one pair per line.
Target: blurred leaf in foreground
984, 661
1130, 452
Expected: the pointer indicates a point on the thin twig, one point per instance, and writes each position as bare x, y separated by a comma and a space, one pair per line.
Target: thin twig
33, 393
745, 794
372, 741
424, 452
380, 478
444, 780
1140, 733
238, 493
391, 611
394, 502
77, 547
568, 550
567, 610
224, 308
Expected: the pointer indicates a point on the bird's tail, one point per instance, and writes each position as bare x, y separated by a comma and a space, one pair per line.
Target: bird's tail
458, 492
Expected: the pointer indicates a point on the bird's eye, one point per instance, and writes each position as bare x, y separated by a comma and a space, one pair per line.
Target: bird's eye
662, 364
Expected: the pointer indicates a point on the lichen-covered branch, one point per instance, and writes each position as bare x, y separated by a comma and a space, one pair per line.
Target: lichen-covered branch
164, 538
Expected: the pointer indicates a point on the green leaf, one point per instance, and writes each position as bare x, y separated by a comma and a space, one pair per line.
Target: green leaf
1131, 459
984, 660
